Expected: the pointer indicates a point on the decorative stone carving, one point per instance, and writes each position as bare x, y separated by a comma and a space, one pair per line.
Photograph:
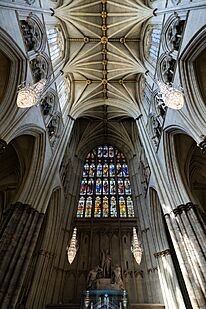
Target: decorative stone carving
40, 67
183, 207
156, 117
54, 128
174, 33
138, 273
162, 253
167, 68
48, 103
105, 277
202, 145
152, 270
3, 145
33, 33
145, 230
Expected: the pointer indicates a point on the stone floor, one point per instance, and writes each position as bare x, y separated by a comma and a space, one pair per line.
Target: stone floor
147, 306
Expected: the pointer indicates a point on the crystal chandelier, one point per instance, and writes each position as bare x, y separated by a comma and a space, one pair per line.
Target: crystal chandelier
30, 95
172, 97
72, 249
136, 247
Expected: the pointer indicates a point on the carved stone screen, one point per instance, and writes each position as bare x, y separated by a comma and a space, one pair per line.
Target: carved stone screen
105, 187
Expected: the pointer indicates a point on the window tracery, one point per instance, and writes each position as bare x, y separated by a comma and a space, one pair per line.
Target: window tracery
63, 89
56, 43
151, 42
105, 187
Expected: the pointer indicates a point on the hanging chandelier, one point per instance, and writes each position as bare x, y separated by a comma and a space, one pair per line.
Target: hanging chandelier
72, 249
172, 97
136, 247
30, 95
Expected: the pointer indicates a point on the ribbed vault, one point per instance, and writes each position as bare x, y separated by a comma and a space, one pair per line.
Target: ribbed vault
121, 132
104, 60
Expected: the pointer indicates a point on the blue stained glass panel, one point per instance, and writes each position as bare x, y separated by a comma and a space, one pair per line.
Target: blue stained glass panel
120, 186
127, 186
99, 153
111, 170
83, 187
98, 186
99, 170
125, 170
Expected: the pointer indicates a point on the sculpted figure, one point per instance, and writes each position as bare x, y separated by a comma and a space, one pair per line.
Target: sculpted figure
117, 279
106, 264
92, 278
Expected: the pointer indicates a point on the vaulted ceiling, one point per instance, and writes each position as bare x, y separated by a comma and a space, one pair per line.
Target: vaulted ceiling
104, 63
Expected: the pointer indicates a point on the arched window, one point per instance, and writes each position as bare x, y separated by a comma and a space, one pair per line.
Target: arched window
63, 89
105, 187
56, 43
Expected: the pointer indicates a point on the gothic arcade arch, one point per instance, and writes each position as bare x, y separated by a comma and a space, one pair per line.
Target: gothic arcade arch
12, 72
192, 66
15, 163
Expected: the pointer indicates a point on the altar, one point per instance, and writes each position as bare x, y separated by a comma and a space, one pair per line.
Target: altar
104, 299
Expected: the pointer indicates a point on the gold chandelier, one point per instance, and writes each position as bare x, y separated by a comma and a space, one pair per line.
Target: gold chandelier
73, 247
136, 247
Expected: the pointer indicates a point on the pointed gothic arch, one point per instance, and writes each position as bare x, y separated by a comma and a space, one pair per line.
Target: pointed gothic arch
13, 73
192, 66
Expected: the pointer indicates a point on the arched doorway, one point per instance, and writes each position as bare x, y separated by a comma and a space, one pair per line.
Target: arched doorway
15, 162
192, 167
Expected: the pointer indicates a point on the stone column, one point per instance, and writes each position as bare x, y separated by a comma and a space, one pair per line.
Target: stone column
18, 236
168, 279
193, 240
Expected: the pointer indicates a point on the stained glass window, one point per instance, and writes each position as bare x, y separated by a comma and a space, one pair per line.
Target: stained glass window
105, 187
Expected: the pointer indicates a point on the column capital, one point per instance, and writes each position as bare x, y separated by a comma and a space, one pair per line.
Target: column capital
162, 253
183, 207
